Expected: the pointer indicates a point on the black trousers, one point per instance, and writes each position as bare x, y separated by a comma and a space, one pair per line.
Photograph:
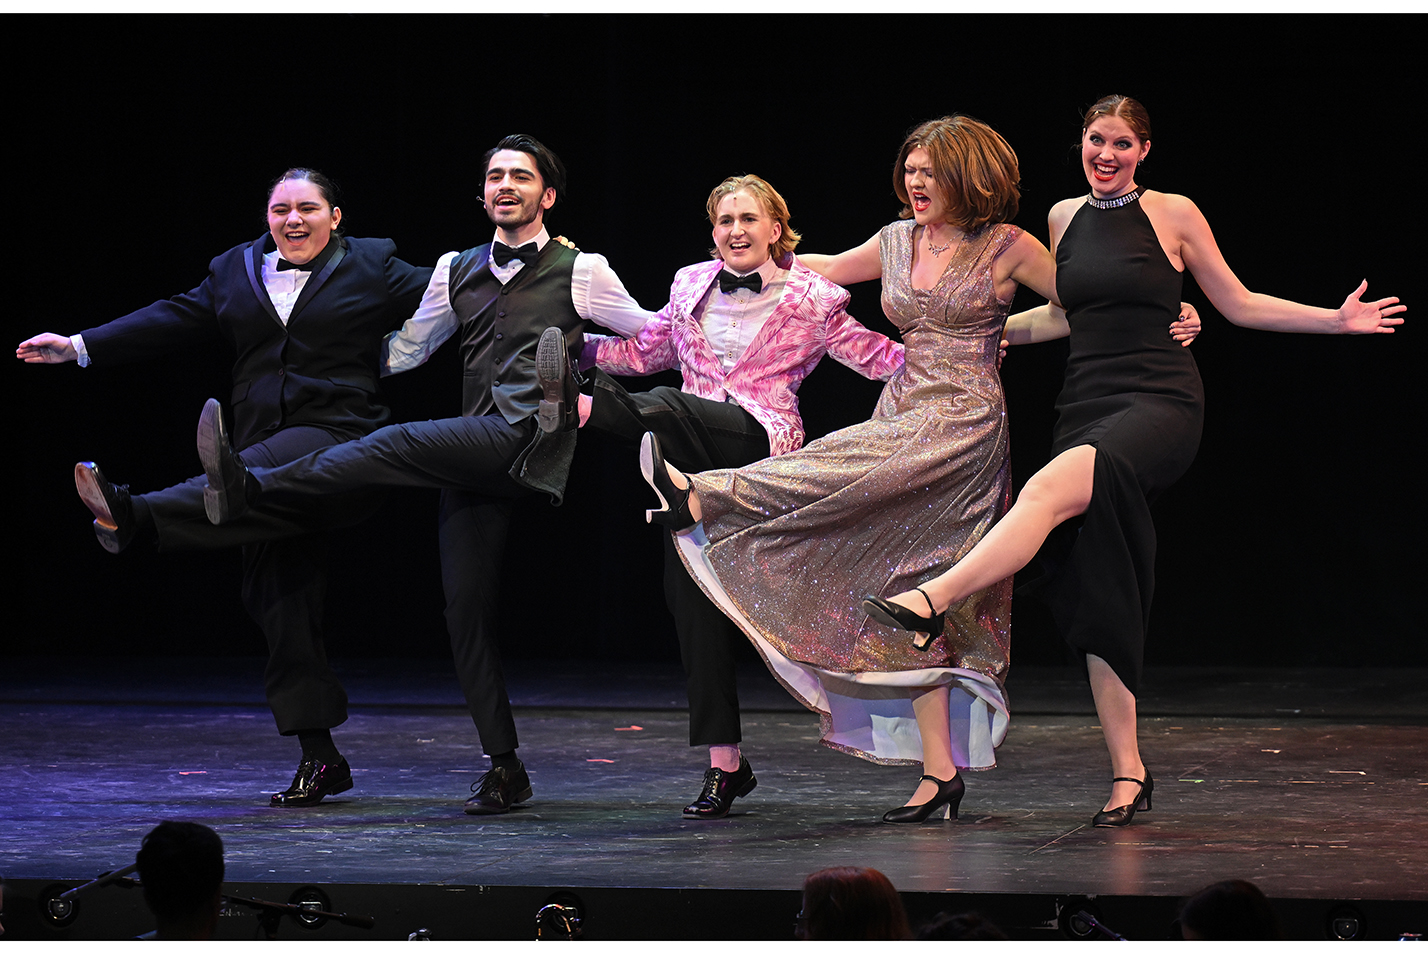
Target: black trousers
284, 584
695, 434
468, 459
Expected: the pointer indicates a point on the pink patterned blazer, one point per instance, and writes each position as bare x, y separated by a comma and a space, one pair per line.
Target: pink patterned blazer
810, 321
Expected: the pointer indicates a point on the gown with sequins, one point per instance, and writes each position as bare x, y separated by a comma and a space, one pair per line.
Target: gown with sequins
1135, 394
789, 546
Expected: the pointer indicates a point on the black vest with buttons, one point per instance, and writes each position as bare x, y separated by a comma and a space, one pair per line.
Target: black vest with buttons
501, 325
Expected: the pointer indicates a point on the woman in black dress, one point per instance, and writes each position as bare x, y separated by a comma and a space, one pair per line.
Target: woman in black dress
1129, 418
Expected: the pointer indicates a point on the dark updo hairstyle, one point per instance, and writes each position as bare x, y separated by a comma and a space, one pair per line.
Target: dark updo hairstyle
852, 904
324, 185
548, 164
973, 167
1128, 110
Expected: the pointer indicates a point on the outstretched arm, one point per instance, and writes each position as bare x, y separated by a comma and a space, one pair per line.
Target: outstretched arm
1201, 254
871, 354
47, 349
649, 351
861, 264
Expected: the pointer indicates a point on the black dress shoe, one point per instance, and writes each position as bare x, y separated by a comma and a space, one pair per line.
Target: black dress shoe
674, 501
1121, 817
560, 395
943, 804
226, 496
110, 504
314, 781
720, 789
499, 789
891, 614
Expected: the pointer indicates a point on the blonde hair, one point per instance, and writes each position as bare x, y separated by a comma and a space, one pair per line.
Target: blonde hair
973, 167
774, 206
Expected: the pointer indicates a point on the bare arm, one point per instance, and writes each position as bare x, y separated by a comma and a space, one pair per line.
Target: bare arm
861, 264
46, 349
1035, 325
1190, 234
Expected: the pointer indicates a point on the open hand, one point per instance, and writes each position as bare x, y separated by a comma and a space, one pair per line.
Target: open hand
47, 349
1368, 317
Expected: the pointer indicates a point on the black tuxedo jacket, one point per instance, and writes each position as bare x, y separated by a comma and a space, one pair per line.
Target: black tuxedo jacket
320, 370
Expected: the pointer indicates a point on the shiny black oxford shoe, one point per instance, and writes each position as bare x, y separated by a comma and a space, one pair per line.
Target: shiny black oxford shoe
314, 781
720, 789
497, 790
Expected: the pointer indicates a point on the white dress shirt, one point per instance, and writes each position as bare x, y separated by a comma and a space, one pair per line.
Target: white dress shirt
595, 290
731, 320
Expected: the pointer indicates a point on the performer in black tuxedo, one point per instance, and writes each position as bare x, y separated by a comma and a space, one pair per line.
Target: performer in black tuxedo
521, 294
304, 309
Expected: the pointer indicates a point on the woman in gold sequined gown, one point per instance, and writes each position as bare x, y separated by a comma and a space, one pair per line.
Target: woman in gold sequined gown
787, 547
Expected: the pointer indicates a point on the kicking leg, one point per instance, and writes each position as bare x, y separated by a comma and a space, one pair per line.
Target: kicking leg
1059, 491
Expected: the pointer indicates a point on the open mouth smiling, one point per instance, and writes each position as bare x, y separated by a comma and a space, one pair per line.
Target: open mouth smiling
1103, 172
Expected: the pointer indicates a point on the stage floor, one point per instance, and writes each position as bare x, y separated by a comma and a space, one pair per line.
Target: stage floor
1311, 783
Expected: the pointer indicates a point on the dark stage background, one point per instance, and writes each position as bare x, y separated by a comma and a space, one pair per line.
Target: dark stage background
140, 147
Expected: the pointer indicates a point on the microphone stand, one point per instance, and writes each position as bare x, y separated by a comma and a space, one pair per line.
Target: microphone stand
63, 908
270, 914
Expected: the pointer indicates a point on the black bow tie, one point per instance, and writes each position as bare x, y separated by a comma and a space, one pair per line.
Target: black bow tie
728, 281
502, 254
284, 265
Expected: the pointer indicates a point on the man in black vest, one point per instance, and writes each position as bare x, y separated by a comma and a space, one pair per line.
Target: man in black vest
502, 298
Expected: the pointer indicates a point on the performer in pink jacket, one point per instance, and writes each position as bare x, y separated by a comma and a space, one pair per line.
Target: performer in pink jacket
744, 329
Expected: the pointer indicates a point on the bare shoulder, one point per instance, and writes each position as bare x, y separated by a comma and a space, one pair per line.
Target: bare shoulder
1023, 246
1062, 211
1171, 205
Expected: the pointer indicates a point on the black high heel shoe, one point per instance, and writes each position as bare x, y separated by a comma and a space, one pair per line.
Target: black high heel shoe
674, 501
890, 614
1121, 817
948, 797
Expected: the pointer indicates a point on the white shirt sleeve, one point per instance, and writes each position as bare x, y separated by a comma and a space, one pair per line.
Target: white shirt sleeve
429, 326
81, 353
599, 296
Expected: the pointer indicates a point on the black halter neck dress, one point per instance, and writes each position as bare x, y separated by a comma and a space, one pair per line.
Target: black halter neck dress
1133, 393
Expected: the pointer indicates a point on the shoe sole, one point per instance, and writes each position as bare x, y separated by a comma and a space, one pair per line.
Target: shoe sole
552, 365
337, 789
647, 469
212, 446
89, 481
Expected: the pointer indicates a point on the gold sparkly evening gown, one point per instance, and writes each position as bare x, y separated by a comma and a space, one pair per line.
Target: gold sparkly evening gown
789, 546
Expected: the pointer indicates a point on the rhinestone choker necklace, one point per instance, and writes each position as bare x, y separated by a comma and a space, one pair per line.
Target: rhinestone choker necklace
1117, 202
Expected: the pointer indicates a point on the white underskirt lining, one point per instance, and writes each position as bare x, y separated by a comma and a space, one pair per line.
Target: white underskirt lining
869, 714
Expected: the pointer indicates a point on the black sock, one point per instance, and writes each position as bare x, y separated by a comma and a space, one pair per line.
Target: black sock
318, 744
506, 760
